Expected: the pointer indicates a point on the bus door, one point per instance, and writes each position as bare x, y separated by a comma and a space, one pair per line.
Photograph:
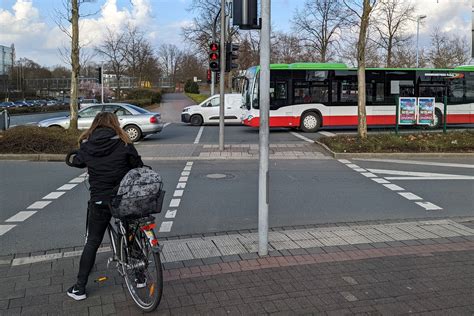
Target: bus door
281, 113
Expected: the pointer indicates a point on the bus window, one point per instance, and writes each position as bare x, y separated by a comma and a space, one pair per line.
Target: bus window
349, 92
469, 87
301, 93
255, 94
319, 94
278, 94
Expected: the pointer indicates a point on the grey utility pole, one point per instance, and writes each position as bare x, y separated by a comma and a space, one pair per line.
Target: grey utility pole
102, 82
214, 31
263, 175
222, 81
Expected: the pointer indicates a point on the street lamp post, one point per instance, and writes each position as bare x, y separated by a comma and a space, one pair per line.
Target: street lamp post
418, 19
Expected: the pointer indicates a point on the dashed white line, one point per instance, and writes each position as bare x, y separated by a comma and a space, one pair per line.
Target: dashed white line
165, 227
345, 161
38, 205
187, 168
393, 187
175, 202
67, 187
20, 216
368, 175
53, 195
181, 185
185, 173
416, 174
351, 165
360, 170
424, 163
306, 139
198, 137
183, 179
77, 180
410, 196
5, 228
170, 214
429, 206
432, 178
189, 163
178, 193
381, 181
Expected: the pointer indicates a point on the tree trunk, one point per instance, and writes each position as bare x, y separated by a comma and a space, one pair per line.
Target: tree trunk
74, 63
364, 25
389, 53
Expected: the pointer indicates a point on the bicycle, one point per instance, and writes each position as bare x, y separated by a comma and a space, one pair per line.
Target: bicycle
136, 253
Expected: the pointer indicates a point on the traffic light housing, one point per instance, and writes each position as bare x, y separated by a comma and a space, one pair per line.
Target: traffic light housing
245, 15
214, 57
99, 75
231, 54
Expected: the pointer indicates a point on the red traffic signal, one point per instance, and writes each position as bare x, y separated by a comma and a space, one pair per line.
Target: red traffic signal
214, 47
214, 57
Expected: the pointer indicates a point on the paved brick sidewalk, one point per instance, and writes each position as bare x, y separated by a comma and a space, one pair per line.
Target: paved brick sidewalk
431, 276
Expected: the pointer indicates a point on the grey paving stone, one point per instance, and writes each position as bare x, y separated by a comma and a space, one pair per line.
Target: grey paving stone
379, 245
395, 243
333, 249
442, 240
285, 253
211, 260
247, 256
411, 242
298, 251
364, 246
193, 263
173, 265
315, 250
274, 253
231, 258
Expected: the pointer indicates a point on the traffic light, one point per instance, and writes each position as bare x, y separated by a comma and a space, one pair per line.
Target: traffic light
231, 54
214, 57
245, 15
99, 70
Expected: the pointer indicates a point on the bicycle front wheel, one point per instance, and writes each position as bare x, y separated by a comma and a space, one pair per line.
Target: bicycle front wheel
142, 270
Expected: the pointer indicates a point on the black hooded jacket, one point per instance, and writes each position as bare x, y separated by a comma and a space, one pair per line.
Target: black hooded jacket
107, 159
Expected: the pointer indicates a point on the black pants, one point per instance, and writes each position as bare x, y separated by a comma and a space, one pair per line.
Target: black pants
98, 219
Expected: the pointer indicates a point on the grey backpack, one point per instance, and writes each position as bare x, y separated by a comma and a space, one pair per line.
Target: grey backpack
139, 194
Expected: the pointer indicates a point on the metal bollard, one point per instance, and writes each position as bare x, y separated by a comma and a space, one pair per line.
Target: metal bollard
4, 120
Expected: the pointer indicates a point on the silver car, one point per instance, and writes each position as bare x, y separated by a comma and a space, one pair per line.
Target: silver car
136, 122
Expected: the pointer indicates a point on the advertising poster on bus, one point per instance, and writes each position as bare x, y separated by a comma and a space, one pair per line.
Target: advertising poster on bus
426, 111
407, 111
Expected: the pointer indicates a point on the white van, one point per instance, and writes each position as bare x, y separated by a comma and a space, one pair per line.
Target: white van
208, 110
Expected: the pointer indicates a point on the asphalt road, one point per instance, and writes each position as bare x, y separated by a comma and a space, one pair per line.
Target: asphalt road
301, 191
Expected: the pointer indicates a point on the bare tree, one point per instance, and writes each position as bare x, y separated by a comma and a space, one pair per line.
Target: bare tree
319, 24
190, 66
447, 50
137, 52
71, 14
390, 20
169, 56
287, 48
113, 48
348, 51
249, 51
362, 11
405, 57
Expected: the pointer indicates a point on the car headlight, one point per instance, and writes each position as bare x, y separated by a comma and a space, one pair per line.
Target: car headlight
185, 110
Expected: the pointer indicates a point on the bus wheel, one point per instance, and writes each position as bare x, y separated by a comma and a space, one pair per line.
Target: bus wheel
310, 122
438, 120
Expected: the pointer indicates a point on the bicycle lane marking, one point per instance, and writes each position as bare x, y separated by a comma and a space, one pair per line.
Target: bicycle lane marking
166, 226
21, 216
428, 206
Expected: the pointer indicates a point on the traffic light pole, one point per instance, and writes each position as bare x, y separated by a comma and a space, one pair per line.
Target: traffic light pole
263, 175
102, 82
222, 81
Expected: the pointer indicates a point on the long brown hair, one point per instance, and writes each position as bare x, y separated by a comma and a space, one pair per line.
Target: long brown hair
109, 120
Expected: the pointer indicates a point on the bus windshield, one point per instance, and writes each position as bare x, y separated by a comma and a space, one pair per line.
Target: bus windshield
248, 87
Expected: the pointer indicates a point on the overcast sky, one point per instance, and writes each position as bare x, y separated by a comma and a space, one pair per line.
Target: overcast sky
30, 24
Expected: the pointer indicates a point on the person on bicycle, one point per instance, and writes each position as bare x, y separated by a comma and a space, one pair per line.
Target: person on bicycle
108, 154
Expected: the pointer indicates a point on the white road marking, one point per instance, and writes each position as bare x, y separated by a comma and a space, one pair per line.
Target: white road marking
381, 181
166, 124
185, 173
165, 227
393, 187
416, 174
359, 170
410, 196
189, 163
5, 228
306, 139
171, 214
187, 168
77, 180
351, 165
20, 216
329, 134
198, 137
68, 186
368, 175
181, 185
432, 178
38, 205
344, 161
349, 296
183, 179
429, 206
53, 195
178, 193
424, 163
175, 202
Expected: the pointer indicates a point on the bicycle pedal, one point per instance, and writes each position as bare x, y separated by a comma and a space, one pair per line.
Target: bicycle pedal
101, 279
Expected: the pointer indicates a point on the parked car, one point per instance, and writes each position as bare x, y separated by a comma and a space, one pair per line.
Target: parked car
51, 103
21, 104
7, 104
208, 111
135, 121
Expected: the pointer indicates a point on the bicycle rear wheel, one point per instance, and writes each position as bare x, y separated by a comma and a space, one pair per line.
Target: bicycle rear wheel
142, 271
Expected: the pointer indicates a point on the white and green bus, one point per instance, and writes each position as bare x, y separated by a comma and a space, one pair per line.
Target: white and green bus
309, 96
